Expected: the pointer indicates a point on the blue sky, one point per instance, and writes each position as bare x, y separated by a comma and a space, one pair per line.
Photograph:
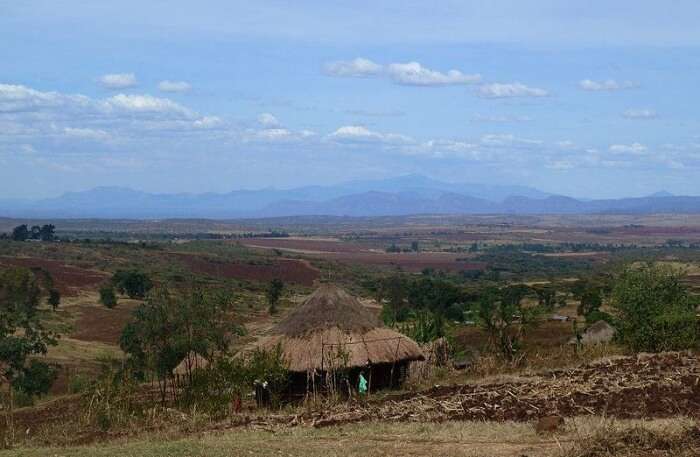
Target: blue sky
596, 99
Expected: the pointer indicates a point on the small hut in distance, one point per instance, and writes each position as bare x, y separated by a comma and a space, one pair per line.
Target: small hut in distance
331, 332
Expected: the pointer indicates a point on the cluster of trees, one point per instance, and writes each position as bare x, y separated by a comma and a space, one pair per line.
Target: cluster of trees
133, 283
169, 325
394, 248
649, 306
45, 232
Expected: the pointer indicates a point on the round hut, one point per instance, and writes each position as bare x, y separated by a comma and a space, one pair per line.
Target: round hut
331, 333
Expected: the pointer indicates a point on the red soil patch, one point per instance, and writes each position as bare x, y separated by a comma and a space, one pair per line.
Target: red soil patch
408, 261
67, 279
288, 270
102, 324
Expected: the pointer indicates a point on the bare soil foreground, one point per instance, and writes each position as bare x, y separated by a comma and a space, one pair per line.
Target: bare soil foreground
653, 386
648, 387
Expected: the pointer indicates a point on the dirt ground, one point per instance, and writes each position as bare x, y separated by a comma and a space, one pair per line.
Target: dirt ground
288, 270
69, 280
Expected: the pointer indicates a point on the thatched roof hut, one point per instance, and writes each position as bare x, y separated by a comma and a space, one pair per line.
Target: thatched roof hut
331, 329
600, 332
192, 361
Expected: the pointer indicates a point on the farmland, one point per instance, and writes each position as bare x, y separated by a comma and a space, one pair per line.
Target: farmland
491, 406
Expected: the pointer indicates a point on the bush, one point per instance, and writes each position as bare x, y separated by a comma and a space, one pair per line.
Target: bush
655, 310
133, 283
108, 297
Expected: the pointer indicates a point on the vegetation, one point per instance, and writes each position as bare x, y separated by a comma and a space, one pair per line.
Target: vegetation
655, 310
501, 313
108, 297
22, 335
274, 293
169, 326
133, 283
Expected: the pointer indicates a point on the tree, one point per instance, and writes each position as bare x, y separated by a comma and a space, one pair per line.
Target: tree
22, 335
546, 295
414, 246
502, 315
133, 283
393, 289
35, 232
20, 233
654, 310
273, 294
107, 296
54, 298
167, 327
47, 232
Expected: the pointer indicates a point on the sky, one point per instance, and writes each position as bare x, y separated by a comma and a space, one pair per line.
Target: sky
592, 99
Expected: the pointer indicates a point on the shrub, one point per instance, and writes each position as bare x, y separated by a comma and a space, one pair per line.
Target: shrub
107, 296
133, 283
654, 309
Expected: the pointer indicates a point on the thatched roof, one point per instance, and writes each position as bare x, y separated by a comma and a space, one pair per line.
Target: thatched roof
332, 329
600, 332
189, 363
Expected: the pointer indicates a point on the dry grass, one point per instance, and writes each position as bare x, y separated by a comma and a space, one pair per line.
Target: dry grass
581, 437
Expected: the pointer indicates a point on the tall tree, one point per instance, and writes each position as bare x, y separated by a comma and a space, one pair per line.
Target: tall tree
274, 293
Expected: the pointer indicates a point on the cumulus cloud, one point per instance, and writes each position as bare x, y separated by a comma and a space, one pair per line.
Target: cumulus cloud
174, 86
118, 80
414, 74
606, 85
268, 120
634, 149
509, 90
356, 68
644, 113
409, 73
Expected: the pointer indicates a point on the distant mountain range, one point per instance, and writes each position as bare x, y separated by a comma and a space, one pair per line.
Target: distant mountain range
413, 194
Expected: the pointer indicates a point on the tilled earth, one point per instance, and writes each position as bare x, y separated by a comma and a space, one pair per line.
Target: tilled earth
644, 387
647, 386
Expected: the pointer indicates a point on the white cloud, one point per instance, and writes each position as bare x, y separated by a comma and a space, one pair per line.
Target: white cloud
508, 90
606, 85
409, 73
118, 80
413, 73
634, 149
268, 120
18, 98
360, 134
174, 86
357, 68
644, 113
507, 139
85, 133
145, 104
207, 122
